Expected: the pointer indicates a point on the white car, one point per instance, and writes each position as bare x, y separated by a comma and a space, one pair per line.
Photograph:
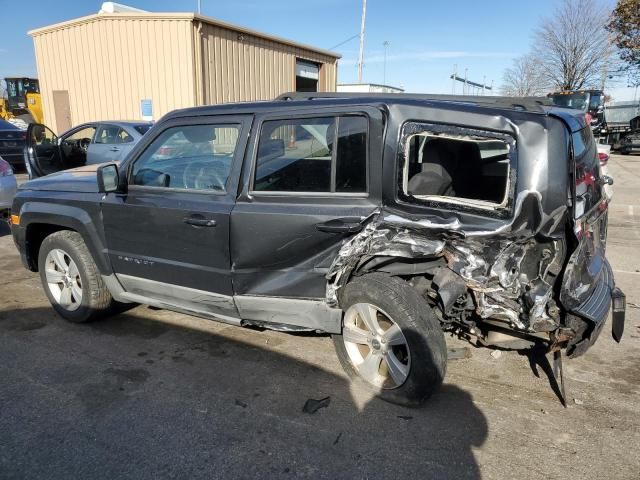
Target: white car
8, 186
604, 151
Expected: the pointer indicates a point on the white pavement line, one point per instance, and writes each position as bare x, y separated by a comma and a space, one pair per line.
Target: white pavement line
629, 206
630, 210
626, 271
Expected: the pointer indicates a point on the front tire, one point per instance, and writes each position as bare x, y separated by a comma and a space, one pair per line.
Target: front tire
391, 341
71, 279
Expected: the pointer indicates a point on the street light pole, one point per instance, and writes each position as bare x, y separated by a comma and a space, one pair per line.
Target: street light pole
385, 44
199, 6
361, 56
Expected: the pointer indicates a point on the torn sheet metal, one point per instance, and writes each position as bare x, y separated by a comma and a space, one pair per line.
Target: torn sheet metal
510, 274
376, 240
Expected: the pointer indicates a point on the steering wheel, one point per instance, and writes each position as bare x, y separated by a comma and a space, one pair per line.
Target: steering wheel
205, 175
84, 143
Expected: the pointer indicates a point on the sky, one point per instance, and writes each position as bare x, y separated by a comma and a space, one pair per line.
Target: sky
426, 39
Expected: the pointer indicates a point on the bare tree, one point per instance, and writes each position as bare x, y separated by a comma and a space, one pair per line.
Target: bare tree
573, 45
624, 26
525, 78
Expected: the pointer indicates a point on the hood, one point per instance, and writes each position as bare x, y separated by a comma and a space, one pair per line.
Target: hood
82, 179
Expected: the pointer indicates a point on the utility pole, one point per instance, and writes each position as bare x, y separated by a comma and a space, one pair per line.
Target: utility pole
361, 56
385, 44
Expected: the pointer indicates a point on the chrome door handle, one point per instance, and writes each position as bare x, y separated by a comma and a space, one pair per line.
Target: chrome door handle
114, 149
200, 222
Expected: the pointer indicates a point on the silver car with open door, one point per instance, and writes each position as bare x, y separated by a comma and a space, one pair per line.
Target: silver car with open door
89, 143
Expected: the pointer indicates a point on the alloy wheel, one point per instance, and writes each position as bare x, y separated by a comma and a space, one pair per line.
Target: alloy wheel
376, 346
63, 279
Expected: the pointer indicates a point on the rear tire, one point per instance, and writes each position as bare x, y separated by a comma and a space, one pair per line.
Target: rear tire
412, 348
71, 279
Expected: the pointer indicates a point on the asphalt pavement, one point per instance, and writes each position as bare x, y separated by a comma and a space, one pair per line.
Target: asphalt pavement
153, 394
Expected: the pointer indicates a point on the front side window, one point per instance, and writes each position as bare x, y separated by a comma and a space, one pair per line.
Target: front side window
41, 135
313, 155
451, 165
83, 134
192, 157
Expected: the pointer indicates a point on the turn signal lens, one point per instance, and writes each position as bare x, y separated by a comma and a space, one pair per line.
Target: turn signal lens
15, 219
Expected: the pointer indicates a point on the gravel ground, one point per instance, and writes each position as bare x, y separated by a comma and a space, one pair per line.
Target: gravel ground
155, 394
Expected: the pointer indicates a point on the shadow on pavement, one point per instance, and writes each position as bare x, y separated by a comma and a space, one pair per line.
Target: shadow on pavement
134, 397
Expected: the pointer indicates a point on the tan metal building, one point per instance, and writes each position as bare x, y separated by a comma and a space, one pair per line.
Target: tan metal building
109, 66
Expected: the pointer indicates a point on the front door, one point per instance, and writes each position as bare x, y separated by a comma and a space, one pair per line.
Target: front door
315, 180
168, 235
42, 153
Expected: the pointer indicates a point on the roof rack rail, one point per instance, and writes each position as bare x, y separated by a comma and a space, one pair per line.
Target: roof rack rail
520, 103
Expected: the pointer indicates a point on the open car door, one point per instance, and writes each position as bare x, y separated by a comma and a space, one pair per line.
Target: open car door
42, 153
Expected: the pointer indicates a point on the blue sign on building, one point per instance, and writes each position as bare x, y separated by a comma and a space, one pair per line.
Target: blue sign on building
146, 109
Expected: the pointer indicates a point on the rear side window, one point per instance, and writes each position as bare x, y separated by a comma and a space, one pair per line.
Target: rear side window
112, 135
455, 165
588, 191
313, 155
142, 129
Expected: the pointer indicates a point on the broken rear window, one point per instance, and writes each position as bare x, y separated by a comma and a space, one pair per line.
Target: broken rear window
455, 165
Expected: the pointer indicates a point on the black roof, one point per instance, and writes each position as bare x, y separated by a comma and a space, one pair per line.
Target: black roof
532, 105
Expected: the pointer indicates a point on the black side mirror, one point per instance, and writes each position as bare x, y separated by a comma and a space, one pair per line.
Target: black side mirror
108, 178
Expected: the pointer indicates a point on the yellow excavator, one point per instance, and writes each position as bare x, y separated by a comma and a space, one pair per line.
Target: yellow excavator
22, 102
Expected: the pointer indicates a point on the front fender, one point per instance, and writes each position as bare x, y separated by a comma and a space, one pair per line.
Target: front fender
66, 216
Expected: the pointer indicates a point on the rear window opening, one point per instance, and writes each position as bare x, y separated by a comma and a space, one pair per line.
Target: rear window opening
463, 169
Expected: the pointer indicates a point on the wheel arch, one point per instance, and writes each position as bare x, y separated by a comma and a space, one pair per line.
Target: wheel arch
40, 220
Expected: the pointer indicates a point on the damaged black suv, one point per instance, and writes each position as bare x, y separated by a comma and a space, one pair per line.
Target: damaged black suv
385, 221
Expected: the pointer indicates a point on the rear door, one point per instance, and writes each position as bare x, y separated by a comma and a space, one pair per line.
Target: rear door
313, 177
42, 152
125, 141
108, 144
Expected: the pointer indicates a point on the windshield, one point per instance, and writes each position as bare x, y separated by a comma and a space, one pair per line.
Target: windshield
579, 101
18, 87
